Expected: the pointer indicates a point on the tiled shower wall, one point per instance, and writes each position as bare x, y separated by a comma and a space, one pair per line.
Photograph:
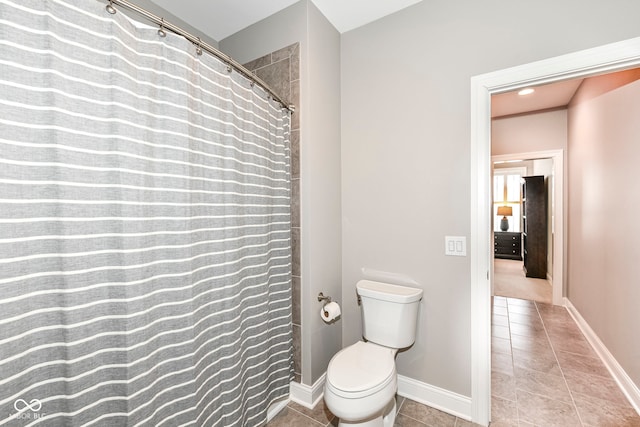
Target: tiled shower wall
281, 71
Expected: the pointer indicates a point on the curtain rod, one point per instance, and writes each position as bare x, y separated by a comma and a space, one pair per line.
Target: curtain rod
231, 63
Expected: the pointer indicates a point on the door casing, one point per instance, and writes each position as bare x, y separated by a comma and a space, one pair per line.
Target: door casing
603, 59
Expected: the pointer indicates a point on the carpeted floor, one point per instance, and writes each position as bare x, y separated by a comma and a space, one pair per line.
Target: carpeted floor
509, 281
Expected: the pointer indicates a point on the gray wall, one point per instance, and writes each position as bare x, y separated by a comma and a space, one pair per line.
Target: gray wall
318, 113
604, 202
321, 191
285, 28
404, 99
406, 152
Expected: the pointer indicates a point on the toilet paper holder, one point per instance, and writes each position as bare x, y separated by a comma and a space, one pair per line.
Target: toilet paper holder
330, 310
326, 299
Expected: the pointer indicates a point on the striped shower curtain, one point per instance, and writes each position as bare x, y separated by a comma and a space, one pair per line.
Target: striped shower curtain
145, 255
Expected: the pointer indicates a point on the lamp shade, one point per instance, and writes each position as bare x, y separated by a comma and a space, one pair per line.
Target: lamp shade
505, 210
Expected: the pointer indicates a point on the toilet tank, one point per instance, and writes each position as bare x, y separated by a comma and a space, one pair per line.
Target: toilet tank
389, 313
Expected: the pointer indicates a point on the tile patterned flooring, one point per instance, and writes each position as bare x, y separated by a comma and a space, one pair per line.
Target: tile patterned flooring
544, 373
410, 414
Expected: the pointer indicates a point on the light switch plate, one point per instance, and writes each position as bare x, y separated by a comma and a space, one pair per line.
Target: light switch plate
455, 245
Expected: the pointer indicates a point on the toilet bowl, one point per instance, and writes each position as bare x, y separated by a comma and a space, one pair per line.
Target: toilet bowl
362, 380
361, 385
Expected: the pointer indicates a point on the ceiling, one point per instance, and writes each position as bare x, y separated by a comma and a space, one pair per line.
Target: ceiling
549, 96
221, 18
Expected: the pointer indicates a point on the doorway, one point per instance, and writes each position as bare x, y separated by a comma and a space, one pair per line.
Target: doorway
612, 57
556, 217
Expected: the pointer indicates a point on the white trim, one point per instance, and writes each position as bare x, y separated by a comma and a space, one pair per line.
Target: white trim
435, 397
480, 252
607, 58
444, 400
631, 391
557, 278
275, 409
307, 396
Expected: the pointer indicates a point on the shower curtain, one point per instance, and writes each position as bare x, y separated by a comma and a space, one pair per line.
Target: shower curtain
145, 250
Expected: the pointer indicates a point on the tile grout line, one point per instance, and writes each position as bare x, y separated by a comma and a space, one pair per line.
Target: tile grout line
414, 419
405, 415
535, 370
555, 355
404, 399
513, 365
305, 415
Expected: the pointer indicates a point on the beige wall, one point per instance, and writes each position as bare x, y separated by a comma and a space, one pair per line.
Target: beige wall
604, 202
406, 151
539, 131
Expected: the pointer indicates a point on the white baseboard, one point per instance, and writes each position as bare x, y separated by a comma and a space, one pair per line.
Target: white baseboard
444, 400
631, 391
275, 409
307, 396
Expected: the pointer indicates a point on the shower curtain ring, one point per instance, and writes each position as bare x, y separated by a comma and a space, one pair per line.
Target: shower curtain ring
161, 31
199, 48
110, 8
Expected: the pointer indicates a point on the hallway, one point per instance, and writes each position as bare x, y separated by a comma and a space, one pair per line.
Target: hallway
544, 372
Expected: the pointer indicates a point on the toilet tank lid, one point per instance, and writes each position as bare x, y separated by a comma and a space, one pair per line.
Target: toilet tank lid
388, 292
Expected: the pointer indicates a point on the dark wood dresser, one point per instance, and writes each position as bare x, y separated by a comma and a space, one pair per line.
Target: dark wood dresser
507, 245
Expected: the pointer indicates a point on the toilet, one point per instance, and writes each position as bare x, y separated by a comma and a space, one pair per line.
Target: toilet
361, 380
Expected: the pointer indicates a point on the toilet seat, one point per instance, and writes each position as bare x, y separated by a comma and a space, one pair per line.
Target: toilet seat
361, 369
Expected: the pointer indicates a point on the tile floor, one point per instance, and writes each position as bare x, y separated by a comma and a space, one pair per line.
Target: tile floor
544, 373
410, 414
